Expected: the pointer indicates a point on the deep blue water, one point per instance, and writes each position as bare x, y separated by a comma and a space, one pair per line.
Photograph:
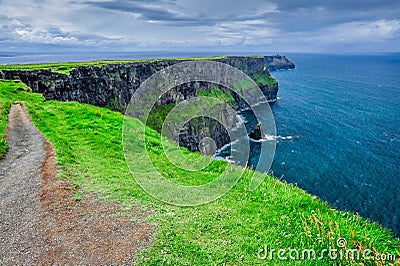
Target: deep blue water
343, 114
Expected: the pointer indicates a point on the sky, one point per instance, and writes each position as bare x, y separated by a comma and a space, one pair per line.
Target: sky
347, 26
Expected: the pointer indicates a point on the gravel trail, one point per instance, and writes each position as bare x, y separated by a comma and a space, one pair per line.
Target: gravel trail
41, 224
20, 179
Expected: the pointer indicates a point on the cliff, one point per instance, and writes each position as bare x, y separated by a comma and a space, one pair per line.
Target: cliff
278, 62
112, 86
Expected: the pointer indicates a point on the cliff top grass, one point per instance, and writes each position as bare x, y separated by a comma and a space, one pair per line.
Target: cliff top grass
228, 231
264, 79
66, 67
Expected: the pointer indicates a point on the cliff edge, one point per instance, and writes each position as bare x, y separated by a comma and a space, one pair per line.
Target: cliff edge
278, 62
112, 86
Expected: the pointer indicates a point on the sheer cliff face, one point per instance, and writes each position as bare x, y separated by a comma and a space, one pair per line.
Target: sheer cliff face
113, 85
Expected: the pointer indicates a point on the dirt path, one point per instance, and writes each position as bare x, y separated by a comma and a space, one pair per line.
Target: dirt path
41, 224
19, 192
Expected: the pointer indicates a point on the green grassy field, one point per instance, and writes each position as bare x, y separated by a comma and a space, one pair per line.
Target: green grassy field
66, 67
228, 231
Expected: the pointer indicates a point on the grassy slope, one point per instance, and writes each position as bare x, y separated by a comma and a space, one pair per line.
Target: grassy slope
214, 92
160, 112
4, 108
9, 89
229, 231
264, 79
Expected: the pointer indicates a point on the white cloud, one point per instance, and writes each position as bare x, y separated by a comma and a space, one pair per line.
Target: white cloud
43, 36
364, 31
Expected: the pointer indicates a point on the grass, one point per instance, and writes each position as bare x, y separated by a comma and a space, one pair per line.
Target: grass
4, 109
215, 92
264, 80
228, 231
159, 112
157, 116
7, 91
67, 67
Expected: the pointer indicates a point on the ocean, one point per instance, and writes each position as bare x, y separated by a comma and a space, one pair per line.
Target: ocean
338, 127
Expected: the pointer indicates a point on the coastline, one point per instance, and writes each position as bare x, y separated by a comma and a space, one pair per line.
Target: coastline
275, 211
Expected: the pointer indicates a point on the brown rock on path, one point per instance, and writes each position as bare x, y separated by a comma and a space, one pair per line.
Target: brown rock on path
41, 224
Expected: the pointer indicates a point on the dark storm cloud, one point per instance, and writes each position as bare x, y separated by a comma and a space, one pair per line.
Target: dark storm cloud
293, 15
136, 7
151, 11
338, 5
157, 11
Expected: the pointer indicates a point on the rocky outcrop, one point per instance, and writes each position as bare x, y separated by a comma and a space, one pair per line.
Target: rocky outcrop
112, 86
278, 62
257, 133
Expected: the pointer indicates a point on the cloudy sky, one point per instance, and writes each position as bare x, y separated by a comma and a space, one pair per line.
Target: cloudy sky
200, 25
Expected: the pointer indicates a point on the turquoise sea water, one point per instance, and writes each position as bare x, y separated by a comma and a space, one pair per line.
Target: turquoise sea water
339, 122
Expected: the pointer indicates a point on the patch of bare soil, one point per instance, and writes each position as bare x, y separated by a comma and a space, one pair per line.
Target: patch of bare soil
41, 223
